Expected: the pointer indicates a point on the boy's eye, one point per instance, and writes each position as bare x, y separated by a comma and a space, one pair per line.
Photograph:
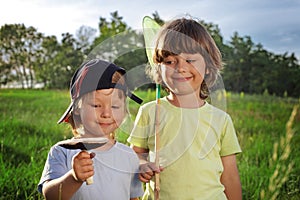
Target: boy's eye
190, 60
95, 105
115, 106
99, 106
169, 62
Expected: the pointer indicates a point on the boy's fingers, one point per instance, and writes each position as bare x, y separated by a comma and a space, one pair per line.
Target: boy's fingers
83, 165
82, 172
154, 167
161, 169
83, 161
146, 177
92, 155
150, 168
83, 154
144, 180
145, 169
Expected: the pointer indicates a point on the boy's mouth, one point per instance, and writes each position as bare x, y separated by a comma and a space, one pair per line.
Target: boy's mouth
182, 79
105, 124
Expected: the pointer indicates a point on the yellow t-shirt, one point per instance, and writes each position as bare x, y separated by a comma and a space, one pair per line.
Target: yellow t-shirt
192, 142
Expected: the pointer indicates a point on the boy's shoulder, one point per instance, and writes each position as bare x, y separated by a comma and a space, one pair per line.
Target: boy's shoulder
216, 109
58, 148
124, 147
151, 104
147, 104
218, 114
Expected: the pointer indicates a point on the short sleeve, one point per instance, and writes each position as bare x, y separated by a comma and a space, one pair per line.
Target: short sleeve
229, 141
141, 129
136, 189
56, 165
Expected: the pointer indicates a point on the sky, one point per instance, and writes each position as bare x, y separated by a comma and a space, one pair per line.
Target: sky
273, 23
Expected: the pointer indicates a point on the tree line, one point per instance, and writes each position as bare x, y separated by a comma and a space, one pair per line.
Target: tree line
29, 57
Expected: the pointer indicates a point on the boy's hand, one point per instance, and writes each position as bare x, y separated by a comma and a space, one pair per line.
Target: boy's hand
147, 171
83, 166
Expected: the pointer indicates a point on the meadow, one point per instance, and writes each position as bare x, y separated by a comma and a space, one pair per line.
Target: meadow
267, 128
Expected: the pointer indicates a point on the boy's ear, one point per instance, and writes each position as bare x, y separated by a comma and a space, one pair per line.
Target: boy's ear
207, 71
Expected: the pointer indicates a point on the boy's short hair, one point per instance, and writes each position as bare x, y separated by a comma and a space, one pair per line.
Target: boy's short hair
94, 75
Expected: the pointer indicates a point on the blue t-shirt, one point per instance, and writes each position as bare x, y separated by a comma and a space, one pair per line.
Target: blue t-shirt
115, 177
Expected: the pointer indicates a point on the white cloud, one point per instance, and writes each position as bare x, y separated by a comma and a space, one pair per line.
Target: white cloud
272, 23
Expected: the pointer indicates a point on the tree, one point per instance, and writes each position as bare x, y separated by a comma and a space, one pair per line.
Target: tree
26, 56
118, 43
85, 36
109, 29
252, 69
236, 72
284, 75
260, 62
67, 59
45, 65
19, 46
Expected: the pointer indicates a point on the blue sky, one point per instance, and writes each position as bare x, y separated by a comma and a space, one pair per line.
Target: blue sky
273, 23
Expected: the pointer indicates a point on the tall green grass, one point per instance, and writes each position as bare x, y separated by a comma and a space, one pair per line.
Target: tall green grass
264, 125
267, 127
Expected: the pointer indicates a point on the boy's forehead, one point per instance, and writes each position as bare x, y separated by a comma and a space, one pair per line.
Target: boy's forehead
105, 91
113, 93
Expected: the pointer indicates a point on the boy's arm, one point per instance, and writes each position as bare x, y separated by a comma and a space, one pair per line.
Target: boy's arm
147, 169
61, 188
230, 178
65, 186
142, 153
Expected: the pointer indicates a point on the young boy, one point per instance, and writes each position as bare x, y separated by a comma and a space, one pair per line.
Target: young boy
98, 107
197, 141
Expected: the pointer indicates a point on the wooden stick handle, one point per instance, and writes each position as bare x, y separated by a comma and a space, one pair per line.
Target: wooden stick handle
156, 179
157, 142
89, 180
156, 186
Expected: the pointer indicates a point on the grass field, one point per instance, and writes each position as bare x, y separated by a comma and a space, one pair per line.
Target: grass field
267, 127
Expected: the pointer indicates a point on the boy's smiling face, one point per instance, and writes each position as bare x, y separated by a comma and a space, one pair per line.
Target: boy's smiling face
183, 73
102, 112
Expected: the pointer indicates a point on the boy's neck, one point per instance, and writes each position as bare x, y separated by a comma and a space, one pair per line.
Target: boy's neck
111, 141
108, 145
185, 101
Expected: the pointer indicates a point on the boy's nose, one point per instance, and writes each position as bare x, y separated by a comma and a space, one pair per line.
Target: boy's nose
181, 65
105, 113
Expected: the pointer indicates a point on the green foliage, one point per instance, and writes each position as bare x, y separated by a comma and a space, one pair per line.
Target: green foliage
118, 43
27, 57
19, 48
252, 69
28, 129
66, 61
